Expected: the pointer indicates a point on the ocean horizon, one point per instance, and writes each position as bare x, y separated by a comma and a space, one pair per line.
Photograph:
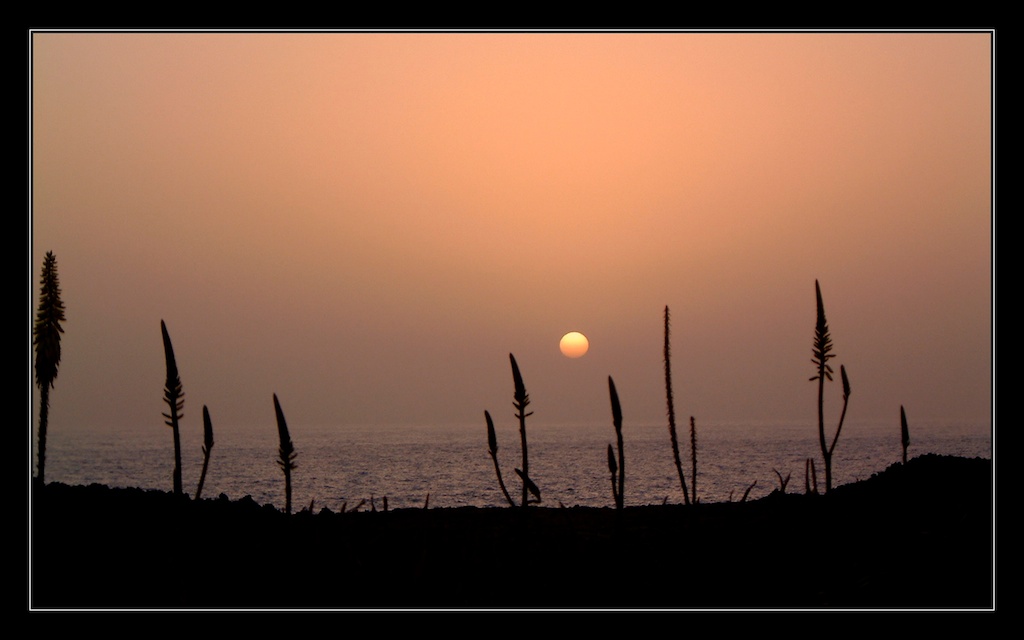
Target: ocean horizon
342, 467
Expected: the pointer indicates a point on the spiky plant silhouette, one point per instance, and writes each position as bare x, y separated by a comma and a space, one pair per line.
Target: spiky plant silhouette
207, 448
693, 459
613, 468
782, 481
672, 411
175, 399
747, 492
618, 474
521, 400
904, 433
286, 455
46, 341
492, 442
822, 353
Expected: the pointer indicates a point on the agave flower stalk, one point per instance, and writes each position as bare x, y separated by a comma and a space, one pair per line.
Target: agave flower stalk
672, 411
617, 423
286, 455
175, 399
822, 353
842, 416
492, 442
904, 433
46, 341
613, 469
207, 448
693, 459
521, 400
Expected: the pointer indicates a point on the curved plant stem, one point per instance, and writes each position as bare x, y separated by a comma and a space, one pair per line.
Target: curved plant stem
492, 441
617, 423
207, 448
672, 412
520, 401
175, 399
693, 459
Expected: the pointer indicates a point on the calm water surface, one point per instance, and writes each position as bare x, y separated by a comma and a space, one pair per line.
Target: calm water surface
343, 465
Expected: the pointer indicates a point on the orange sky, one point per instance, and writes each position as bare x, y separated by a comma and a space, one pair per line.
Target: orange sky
367, 224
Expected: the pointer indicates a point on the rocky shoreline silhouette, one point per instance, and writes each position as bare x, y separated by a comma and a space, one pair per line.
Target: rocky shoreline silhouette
915, 536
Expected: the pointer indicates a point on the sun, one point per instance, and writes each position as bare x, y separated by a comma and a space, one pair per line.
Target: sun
574, 344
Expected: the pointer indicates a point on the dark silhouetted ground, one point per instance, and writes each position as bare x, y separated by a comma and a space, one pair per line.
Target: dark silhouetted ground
914, 536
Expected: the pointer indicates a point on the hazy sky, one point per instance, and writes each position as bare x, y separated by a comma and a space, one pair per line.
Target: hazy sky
367, 224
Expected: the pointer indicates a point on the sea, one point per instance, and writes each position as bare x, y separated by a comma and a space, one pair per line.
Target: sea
445, 466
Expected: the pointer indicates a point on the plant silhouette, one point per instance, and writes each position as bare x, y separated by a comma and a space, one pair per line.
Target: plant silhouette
747, 492
175, 399
492, 443
528, 485
286, 455
904, 433
618, 471
521, 400
672, 411
810, 478
613, 468
782, 481
822, 352
693, 459
46, 341
207, 447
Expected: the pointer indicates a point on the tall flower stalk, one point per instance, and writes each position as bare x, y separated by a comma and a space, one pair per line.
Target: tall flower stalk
175, 399
46, 340
619, 470
207, 448
520, 401
822, 353
693, 459
672, 411
286, 455
492, 445
904, 433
